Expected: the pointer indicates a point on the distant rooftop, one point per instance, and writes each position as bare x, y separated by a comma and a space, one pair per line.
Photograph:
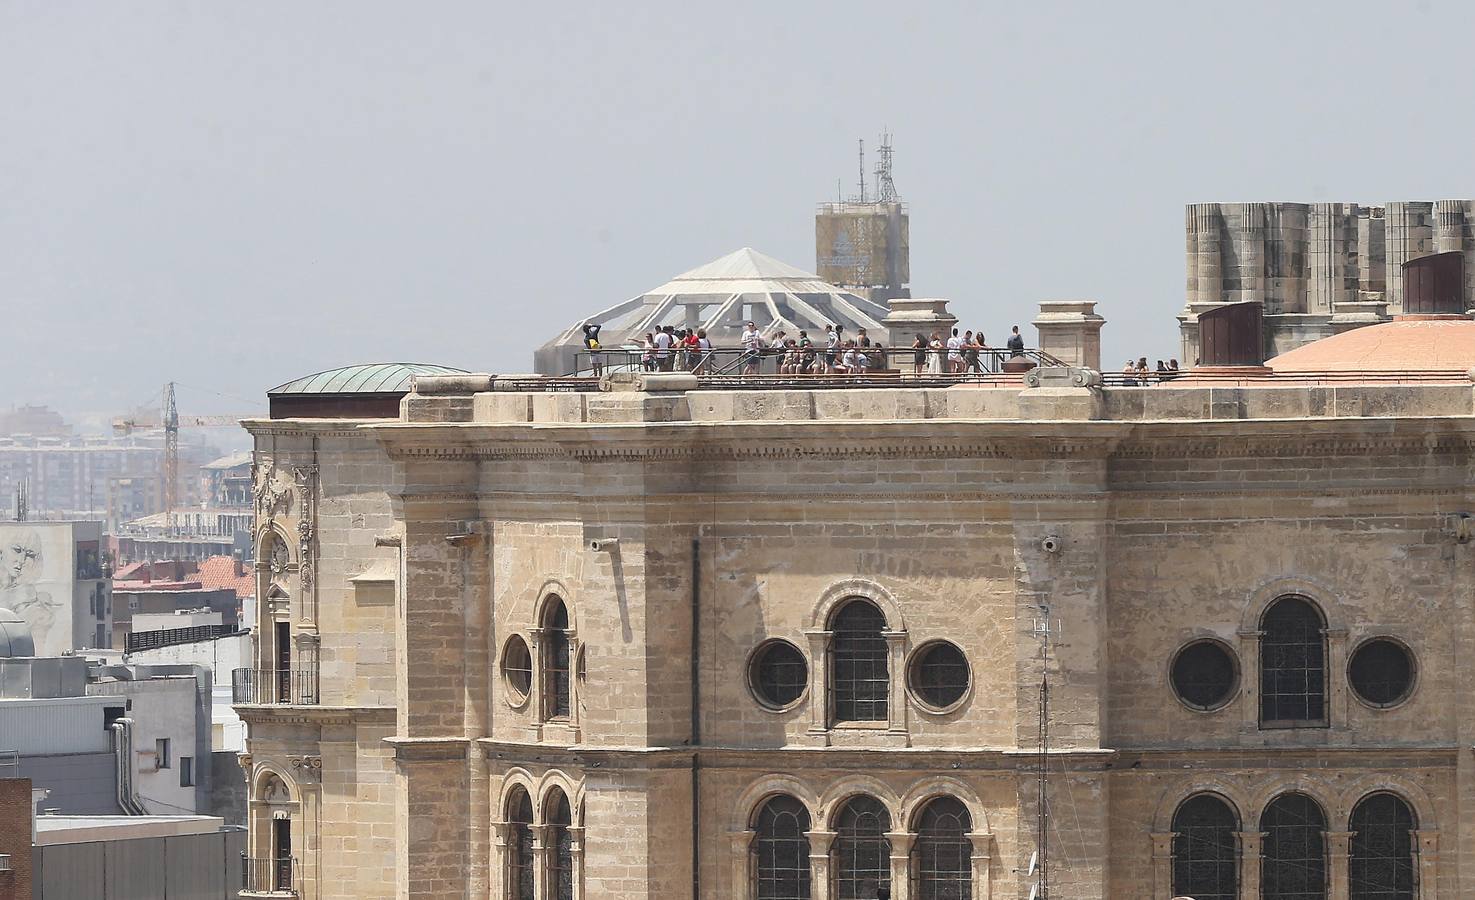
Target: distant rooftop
369, 378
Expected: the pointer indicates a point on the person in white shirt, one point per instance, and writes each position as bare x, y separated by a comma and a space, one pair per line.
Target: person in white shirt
664, 340
753, 344
832, 350
955, 353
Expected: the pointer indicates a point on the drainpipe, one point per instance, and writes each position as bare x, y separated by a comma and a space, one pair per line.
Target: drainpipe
696, 717
128, 799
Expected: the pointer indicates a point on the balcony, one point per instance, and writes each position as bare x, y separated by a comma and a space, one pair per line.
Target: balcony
269, 877
288, 687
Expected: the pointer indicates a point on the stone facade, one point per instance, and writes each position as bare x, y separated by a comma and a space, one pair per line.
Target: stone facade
511, 600
1318, 268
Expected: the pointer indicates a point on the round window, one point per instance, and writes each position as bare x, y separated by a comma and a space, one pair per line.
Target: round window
939, 674
1381, 672
517, 667
1205, 675
778, 674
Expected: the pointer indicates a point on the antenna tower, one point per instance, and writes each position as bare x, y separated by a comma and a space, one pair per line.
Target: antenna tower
862, 181
885, 187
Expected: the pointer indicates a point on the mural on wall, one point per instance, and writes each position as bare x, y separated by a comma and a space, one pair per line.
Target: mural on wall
35, 582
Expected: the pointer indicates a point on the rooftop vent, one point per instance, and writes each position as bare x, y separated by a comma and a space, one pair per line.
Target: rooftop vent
1232, 335
1434, 285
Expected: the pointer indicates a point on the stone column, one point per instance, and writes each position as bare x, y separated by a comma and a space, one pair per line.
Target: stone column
542, 884
1410, 234
1249, 862
1449, 226
1337, 695
1426, 844
896, 705
1372, 250
819, 677
982, 857
1162, 865
501, 859
535, 690
1327, 256
1249, 681
1337, 854
1070, 331
901, 859
1286, 243
575, 647
819, 863
1247, 226
742, 864
1203, 222
576, 859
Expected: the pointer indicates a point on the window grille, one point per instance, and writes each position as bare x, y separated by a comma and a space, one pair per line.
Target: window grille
561, 861
940, 675
1204, 675
1293, 865
1381, 866
556, 654
517, 666
1381, 672
779, 674
520, 852
859, 675
1205, 866
942, 857
782, 850
1292, 664
862, 852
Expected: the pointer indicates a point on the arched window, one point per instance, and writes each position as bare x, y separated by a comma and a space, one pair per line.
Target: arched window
1293, 865
1204, 863
942, 857
1292, 664
858, 673
561, 842
862, 854
781, 850
555, 659
1382, 860
520, 846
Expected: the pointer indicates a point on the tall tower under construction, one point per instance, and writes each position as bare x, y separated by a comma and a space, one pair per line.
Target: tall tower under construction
862, 243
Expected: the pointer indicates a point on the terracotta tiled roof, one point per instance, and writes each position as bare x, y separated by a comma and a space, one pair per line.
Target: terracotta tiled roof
1403, 345
220, 572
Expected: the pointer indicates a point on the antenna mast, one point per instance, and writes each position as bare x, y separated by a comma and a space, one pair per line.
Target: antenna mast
862, 143
885, 187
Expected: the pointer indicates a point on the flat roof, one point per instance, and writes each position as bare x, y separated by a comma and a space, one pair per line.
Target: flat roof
81, 829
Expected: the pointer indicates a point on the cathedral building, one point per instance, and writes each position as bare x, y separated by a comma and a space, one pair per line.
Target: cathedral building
663, 635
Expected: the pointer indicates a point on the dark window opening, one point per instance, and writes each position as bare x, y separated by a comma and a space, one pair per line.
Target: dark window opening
859, 675
1381, 672
186, 771
862, 851
110, 715
520, 852
942, 857
781, 849
1381, 866
556, 659
779, 674
1204, 675
161, 753
517, 666
561, 860
940, 674
1293, 865
1205, 866
1292, 664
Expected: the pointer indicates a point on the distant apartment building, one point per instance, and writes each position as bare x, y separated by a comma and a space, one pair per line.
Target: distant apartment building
52, 577
174, 601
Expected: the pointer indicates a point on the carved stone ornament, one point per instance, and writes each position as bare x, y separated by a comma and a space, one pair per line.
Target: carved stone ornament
306, 769
280, 557
272, 491
305, 477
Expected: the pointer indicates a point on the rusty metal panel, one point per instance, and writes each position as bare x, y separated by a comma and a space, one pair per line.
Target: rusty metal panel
1232, 335
1434, 285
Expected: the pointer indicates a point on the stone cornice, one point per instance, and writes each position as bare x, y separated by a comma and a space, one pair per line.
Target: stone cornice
418, 749
309, 427
1382, 756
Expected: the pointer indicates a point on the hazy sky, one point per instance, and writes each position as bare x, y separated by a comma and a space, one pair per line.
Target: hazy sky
230, 195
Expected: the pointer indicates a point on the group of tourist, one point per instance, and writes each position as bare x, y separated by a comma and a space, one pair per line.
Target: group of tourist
1138, 374
667, 348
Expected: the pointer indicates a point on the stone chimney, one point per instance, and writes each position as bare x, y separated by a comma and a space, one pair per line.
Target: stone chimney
1070, 331
911, 316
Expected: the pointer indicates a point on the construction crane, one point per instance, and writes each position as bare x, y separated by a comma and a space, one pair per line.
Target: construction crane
171, 421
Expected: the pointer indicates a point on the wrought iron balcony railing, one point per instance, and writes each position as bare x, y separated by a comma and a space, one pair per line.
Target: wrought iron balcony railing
272, 876
294, 687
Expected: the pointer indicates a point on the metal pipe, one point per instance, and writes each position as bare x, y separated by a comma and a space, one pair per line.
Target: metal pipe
696, 717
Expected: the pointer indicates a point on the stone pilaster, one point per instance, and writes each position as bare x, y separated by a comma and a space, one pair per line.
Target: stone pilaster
1426, 842
819, 677
1328, 254
1162, 865
819, 863
741, 843
901, 857
1338, 845
982, 858
1249, 862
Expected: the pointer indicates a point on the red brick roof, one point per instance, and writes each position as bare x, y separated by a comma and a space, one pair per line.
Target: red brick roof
220, 572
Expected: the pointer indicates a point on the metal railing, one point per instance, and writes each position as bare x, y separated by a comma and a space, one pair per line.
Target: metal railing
812, 361
269, 875
292, 687
168, 637
1228, 377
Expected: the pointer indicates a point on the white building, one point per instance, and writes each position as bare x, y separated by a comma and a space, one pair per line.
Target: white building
51, 576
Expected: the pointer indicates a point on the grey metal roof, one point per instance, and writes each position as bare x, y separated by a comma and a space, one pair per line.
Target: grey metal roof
370, 378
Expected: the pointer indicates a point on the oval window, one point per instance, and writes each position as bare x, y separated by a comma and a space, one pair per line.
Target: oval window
778, 674
1381, 672
939, 674
1205, 675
